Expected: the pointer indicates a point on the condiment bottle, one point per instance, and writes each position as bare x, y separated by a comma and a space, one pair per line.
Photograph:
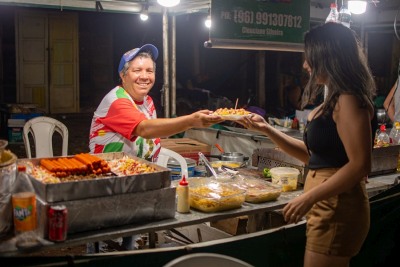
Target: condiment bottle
344, 16
333, 15
382, 139
394, 134
182, 191
295, 123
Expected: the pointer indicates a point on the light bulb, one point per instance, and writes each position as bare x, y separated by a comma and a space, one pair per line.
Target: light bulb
168, 3
207, 22
357, 7
144, 16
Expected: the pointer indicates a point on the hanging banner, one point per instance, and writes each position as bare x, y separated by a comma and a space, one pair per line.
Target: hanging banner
266, 24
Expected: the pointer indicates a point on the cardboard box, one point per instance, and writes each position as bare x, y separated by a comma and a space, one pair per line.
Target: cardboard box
233, 226
244, 224
187, 147
196, 233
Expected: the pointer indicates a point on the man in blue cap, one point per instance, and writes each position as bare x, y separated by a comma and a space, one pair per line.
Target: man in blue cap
126, 118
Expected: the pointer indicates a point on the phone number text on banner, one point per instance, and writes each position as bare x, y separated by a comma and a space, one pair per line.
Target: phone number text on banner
269, 20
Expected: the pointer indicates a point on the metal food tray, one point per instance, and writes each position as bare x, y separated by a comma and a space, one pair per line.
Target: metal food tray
102, 186
384, 160
272, 157
110, 211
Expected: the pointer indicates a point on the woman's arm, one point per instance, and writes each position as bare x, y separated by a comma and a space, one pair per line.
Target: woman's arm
290, 145
388, 104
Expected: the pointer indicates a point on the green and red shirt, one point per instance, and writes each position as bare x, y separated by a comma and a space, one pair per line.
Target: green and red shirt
114, 121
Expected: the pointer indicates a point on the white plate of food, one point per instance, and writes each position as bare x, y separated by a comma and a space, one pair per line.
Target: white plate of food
232, 114
233, 117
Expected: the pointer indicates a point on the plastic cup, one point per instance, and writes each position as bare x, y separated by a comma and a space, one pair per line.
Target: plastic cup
286, 177
3, 145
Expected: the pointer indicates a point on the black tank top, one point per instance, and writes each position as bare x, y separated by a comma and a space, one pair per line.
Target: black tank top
324, 144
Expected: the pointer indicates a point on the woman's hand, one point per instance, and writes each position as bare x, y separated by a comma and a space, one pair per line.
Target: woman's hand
253, 122
297, 208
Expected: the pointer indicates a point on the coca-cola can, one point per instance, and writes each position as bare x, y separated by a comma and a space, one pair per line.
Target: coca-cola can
57, 217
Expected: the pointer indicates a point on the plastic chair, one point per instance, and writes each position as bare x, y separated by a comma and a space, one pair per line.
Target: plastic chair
206, 259
164, 156
42, 130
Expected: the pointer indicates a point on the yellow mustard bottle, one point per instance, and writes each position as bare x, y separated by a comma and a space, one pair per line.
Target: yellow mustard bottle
182, 191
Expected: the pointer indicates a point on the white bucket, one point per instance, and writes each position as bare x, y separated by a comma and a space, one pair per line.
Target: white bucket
175, 168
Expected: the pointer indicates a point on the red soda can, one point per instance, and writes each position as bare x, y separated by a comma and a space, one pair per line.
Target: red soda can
57, 217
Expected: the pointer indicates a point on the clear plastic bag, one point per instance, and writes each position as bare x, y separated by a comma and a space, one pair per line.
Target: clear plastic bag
7, 181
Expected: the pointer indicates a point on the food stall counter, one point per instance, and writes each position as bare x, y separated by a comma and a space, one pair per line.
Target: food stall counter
8, 245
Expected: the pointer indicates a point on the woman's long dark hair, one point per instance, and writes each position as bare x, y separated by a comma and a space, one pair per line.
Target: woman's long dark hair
333, 51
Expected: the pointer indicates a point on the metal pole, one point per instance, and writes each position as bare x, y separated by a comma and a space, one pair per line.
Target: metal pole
166, 64
261, 79
173, 66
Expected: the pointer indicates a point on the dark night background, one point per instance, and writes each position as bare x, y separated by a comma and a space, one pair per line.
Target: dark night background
227, 74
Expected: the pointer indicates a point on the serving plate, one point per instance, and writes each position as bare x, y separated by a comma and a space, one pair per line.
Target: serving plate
234, 117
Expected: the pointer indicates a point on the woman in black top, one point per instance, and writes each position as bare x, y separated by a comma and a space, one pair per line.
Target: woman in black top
337, 147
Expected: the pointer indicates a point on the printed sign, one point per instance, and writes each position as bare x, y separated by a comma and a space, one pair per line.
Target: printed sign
272, 21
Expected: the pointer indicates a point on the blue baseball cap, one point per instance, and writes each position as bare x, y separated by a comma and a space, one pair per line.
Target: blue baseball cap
131, 54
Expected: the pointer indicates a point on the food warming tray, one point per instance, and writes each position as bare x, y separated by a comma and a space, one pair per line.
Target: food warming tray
109, 211
102, 186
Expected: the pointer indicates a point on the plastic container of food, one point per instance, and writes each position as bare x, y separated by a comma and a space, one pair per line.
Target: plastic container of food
213, 196
287, 177
257, 190
230, 164
216, 165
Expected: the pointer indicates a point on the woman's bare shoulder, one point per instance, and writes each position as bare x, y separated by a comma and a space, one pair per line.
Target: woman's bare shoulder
350, 103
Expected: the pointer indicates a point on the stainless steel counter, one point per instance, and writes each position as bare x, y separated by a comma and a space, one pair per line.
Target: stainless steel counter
8, 245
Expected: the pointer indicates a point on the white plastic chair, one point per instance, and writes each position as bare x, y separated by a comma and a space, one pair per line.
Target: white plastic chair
164, 156
42, 130
206, 259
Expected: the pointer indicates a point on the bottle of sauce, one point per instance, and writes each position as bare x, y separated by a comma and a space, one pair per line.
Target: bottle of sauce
333, 15
382, 139
182, 191
394, 134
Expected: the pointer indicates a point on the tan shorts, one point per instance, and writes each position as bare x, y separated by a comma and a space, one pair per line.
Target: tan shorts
339, 225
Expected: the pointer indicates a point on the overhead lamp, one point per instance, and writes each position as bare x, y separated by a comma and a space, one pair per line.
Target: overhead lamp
207, 22
357, 7
144, 15
168, 3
